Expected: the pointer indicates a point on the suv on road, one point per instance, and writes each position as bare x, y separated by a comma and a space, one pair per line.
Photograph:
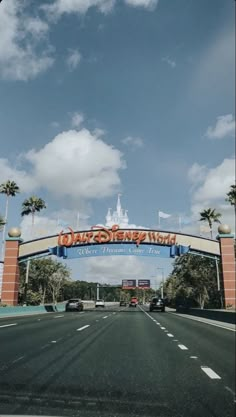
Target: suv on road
74, 304
157, 304
100, 303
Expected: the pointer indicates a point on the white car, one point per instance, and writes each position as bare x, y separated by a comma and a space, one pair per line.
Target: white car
100, 303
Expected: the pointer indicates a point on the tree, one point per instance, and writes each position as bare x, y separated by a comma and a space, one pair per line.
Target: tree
193, 282
231, 196
10, 189
210, 216
55, 282
39, 275
30, 206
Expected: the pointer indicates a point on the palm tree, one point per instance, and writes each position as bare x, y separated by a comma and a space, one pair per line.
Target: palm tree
10, 189
2, 222
210, 216
231, 196
31, 205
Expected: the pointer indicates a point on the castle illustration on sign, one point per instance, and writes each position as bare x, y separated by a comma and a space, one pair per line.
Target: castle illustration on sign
118, 216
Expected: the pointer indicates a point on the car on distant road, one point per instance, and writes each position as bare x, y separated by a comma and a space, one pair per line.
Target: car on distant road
157, 304
74, 304
100, 303
123, 303
133, 302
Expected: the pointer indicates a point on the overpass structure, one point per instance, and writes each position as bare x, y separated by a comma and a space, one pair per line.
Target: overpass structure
101, 241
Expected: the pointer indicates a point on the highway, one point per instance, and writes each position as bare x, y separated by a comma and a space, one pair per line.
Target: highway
116, 362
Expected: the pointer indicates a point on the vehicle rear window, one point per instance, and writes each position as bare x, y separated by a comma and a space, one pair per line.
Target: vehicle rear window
73, 301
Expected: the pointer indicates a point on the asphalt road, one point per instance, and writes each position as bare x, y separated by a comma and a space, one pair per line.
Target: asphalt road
116, 362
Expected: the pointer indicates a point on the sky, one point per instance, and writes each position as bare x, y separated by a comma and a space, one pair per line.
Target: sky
106, 96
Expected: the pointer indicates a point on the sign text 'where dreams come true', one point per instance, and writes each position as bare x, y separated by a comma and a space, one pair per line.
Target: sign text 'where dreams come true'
114, 234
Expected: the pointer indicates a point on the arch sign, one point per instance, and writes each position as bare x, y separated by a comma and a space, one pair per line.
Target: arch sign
116, 241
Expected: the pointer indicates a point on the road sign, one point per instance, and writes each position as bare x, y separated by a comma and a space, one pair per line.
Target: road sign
128, 284
144, 283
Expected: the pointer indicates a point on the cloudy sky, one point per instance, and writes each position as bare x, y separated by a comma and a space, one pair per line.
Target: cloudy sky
107, 96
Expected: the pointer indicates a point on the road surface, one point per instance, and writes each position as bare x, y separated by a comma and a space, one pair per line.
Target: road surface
116, 362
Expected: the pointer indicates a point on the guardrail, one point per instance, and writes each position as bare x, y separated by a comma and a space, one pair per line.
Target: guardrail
219, 315
47, 308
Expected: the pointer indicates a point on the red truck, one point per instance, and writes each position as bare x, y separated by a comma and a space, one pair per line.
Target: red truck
133, 302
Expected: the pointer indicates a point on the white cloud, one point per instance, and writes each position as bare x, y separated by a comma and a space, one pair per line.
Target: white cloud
77, 120
20, 40
75, 164
197, 174
216, 182
113, 269
60, 7
214, 71
36, 27
8, 171
73, 59
133, 142
53, 223
224, 127
55, 124
209, 190
148, 4
169, 61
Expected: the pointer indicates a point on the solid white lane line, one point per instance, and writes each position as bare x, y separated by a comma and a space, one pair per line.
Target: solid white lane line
82, 312
82, 328
230, 390
105, 317
8, 325
207, 322
212, 374
183, 347
58, 317
170, 335
18, 359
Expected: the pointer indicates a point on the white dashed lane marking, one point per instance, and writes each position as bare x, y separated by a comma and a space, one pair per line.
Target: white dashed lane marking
212, 374
183, 347
105, 317
8, 325
18, 359
58, 317
170, 335
82, 328
163, 328
193, 357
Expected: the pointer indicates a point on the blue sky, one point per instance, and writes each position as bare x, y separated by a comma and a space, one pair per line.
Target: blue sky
133, 96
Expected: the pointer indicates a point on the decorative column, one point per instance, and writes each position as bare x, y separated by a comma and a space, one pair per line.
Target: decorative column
228, 263
10, 283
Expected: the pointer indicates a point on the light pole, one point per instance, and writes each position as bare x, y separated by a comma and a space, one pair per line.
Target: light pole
163, 282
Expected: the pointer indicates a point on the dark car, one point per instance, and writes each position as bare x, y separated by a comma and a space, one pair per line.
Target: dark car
157, 304
75, 304
123, 303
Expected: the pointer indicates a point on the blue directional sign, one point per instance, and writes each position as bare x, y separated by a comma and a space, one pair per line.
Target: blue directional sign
118, 249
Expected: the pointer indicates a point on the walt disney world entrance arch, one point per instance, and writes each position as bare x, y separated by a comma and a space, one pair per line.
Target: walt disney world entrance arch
100, 241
